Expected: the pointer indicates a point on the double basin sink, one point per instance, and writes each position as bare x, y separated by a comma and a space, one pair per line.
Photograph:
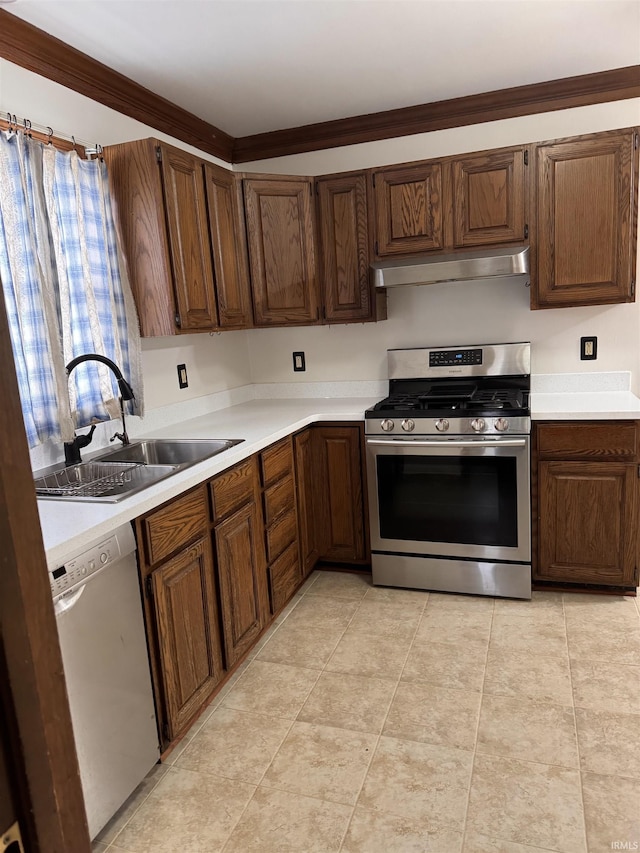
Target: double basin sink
120, 473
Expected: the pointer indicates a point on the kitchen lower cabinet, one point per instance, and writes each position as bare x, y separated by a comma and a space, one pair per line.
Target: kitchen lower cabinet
220, 560
281, 522
181, 608
186, 617
585, 487
306, 495
340, 493
586, 200
240, 557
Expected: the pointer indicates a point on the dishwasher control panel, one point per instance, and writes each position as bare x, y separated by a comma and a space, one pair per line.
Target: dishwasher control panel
78, 569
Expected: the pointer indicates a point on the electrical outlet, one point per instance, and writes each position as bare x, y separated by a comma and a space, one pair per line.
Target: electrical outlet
183, 382
588, 349
298, 362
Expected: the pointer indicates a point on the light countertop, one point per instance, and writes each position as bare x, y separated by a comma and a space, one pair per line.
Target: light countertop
584, 406
69, 527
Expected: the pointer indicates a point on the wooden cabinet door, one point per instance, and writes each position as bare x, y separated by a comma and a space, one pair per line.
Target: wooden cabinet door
408, 203
186, 212
229, 244
586, 208
340, 494
344, 248
587, 522
242, 577
280, 235
306, 485
489, 198
187, 631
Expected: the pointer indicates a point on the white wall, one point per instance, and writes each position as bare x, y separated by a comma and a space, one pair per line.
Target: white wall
477, 312
465, 312
214, 362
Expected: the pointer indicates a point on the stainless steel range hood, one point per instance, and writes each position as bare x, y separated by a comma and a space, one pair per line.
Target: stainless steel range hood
462, 266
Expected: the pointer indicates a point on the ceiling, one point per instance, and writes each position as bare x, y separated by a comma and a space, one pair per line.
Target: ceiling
251, 66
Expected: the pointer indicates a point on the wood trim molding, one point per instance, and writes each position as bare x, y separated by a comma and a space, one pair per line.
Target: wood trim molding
579, 91
33, 699
37, 51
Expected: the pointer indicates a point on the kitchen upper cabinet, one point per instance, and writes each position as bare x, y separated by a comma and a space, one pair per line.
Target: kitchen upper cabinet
188, 239
585, 479
340, 493
240, 557
409, 212
229, 244
489, 197
159, 195
586, 216
281, 240
344, 250
186, 618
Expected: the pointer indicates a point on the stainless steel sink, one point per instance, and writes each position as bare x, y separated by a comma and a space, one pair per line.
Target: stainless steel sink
160, 451
120, 473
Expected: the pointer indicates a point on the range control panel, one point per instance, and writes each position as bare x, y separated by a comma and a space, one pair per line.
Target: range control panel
449, 358
78, 569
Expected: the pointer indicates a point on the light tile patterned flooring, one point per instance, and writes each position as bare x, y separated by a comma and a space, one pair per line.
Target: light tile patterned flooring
373, 720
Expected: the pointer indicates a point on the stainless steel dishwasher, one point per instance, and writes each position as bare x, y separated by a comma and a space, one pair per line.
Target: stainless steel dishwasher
98, 609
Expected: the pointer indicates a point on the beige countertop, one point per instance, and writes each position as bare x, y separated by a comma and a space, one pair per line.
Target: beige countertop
69, 527
584, 406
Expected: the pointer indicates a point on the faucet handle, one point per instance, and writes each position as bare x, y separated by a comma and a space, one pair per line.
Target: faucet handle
72, 448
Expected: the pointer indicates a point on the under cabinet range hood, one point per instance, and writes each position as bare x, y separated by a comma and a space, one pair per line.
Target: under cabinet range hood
462, 266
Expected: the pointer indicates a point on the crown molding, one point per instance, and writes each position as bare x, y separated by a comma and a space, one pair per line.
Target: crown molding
33, 49
37, 51
579, 91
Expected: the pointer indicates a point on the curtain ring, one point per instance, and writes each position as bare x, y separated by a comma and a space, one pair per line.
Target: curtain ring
49, 135
27, 127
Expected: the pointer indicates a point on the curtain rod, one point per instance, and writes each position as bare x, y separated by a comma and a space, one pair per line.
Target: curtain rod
25, 125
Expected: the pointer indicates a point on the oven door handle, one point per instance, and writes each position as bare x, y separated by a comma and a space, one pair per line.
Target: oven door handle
444, 442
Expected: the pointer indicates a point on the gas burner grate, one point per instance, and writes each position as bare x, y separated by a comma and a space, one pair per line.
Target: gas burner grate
507, 398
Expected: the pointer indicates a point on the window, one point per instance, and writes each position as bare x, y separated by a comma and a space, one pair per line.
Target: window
65, 286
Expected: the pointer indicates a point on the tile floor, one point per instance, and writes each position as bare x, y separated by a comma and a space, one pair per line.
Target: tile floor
374, 720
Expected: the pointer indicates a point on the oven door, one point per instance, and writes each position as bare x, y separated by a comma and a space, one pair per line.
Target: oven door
465, 498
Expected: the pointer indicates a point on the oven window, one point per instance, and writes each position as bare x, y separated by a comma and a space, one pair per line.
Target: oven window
466, 500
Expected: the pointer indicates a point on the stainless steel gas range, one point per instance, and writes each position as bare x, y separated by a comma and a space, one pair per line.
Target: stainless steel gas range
449, 471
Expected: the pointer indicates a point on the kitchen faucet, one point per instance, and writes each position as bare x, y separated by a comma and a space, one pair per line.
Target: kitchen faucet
72, 448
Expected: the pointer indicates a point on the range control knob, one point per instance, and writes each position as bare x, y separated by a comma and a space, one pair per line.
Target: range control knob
478, 424
442, 425
502, 424
387, 425
408, 425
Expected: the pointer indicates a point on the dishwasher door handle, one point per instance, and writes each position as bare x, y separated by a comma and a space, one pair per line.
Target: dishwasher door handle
66, 603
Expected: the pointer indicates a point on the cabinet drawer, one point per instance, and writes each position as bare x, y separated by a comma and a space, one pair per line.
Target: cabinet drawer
281, 534
278, 498
277, 461
604, 440
234, 488
168, 529
284, 577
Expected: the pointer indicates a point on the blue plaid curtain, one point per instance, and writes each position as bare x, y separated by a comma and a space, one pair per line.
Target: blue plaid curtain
65, 287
